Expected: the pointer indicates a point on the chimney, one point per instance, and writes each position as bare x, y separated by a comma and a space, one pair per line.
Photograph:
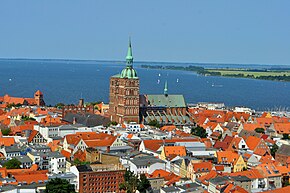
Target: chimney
81, 102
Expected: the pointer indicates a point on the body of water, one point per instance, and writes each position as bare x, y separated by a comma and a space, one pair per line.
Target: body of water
66, 81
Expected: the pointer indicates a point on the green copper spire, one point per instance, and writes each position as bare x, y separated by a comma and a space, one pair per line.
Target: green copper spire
129, 57
129, 71
165, 89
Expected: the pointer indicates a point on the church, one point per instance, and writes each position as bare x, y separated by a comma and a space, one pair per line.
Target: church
127, 105
124, 93
9, 100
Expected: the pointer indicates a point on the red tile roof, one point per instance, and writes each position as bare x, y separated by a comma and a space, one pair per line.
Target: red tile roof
80, 155
7, 141
252, 126
31, 177
227, 156
205, 178
219, 168
168, 176
252, 142
65, 153
174, 150
168, 128
252, 174
155, 144
282, 128
32, 135
202, 167
54, 145
221, 145
73, 139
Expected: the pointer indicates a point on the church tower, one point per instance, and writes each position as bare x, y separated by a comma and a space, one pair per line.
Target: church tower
124, 93
38, 97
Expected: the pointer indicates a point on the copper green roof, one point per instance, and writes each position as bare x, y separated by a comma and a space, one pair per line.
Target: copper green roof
129, 57
165, 89
166, 101
129, 71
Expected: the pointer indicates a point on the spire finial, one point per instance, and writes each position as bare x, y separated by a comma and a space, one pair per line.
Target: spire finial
129, 57
165, 89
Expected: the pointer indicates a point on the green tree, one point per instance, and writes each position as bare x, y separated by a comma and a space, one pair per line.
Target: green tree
114, 123
9, 106
78, 162
133, 183
285, 136
27, 118
12, 164
6, 131
274, 149
144, 184
154, 123
59, 105
199, 131
260, 130
58, 185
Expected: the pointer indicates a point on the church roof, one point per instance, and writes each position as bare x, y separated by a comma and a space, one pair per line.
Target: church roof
129, 72
163, 100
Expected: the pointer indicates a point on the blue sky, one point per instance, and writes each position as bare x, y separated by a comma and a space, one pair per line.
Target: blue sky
241, 31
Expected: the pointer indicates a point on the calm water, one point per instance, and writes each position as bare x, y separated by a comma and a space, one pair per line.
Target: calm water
67, 81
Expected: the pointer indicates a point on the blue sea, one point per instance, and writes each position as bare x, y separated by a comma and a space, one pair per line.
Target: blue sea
68, 80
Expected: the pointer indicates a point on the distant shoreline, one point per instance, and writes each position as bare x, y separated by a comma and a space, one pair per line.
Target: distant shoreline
273, 74
146, 62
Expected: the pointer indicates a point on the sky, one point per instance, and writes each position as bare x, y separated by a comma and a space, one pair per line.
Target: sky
204, 31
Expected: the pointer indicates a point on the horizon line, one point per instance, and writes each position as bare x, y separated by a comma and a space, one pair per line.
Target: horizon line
105, 60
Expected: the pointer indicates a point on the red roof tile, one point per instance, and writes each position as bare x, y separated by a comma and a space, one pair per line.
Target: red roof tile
32, 135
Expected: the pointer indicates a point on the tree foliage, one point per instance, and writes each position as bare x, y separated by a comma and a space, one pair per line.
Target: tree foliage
59, 105
12, 164
114, 123
154, 123
133, 183
78, 162
9, 106
6, 131
274, 149
58, 185
144, 184
27, 118
260, 130
285, 136
199, 131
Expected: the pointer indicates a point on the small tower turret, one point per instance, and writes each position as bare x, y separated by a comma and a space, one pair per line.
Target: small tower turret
165, 89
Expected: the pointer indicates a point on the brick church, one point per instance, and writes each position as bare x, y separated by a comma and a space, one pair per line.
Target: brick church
124, 93
126, 105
